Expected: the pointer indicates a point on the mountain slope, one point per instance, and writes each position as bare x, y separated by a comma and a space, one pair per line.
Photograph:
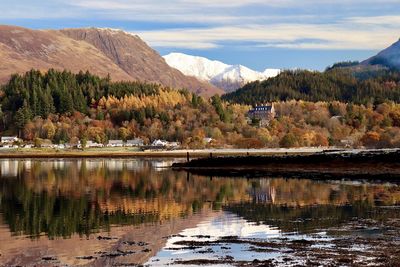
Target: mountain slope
101, 51
389, 57
227, 77
137, 59
23, 49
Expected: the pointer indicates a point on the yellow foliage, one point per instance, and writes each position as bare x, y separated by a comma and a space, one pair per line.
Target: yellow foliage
164, 100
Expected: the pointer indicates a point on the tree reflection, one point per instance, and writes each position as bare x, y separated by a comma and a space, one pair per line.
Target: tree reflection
62, 198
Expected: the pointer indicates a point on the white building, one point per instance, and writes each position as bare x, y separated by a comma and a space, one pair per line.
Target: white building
9, 139
135, 142
93, 144
159, 142
115, 143
163, 143
60, 146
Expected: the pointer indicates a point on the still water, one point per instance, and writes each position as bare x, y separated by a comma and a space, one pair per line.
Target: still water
118, 212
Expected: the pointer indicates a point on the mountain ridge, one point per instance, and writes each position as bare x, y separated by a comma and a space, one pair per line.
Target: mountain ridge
224, 76
101, 51
388, 57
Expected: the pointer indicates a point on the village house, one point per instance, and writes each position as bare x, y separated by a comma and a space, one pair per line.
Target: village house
115, 143
91, 144
165, 144
262, 114
135, 142
9, 140
159, 143
59, 146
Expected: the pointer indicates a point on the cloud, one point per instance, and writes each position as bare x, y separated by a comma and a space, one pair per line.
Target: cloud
298, 36
392, 21
225, 11
198, 4
176, 4
295, 24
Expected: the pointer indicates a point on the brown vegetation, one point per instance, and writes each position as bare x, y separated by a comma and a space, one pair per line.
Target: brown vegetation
102, 52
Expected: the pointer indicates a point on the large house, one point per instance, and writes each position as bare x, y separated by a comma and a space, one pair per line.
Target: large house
262, 114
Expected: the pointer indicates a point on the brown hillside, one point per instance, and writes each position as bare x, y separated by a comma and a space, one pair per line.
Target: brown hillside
23, 49
101, 51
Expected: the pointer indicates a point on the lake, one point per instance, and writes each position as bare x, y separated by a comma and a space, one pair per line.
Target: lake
129, 212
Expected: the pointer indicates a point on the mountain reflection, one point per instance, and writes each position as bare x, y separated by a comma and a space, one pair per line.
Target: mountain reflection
65, 197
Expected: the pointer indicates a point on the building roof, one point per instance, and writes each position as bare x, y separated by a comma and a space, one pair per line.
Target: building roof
115, 142
8, 137
262, 108
134, 141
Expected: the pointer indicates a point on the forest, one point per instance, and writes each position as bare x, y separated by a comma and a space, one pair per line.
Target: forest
335, 84
64, 107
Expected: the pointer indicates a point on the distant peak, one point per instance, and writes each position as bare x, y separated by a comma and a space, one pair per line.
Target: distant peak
182, 55
227, 77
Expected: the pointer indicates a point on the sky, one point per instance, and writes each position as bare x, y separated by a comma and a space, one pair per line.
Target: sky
259, 34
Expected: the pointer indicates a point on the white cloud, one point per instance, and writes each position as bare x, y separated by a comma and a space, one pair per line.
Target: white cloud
299, 36
392, 21
291, 23
198, 4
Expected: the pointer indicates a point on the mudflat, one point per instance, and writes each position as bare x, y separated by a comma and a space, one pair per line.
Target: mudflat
368, 164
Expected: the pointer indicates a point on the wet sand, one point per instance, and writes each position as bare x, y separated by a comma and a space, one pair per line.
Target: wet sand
359, 242
121, 246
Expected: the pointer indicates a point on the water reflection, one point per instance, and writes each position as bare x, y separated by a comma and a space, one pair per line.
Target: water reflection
60, 198
209, 231
57, 203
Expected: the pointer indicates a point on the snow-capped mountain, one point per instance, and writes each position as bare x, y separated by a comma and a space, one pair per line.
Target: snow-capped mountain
224, 76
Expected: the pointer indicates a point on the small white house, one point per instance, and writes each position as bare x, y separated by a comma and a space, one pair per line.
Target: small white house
115, 143
159, 142
9, 139
90, 144
163, 143
135, 142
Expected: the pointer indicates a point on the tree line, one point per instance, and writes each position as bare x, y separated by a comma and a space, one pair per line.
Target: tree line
67, 108
35, 93
332, 85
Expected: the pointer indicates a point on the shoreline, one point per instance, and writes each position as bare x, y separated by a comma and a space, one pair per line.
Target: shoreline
131, 153
361, 164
